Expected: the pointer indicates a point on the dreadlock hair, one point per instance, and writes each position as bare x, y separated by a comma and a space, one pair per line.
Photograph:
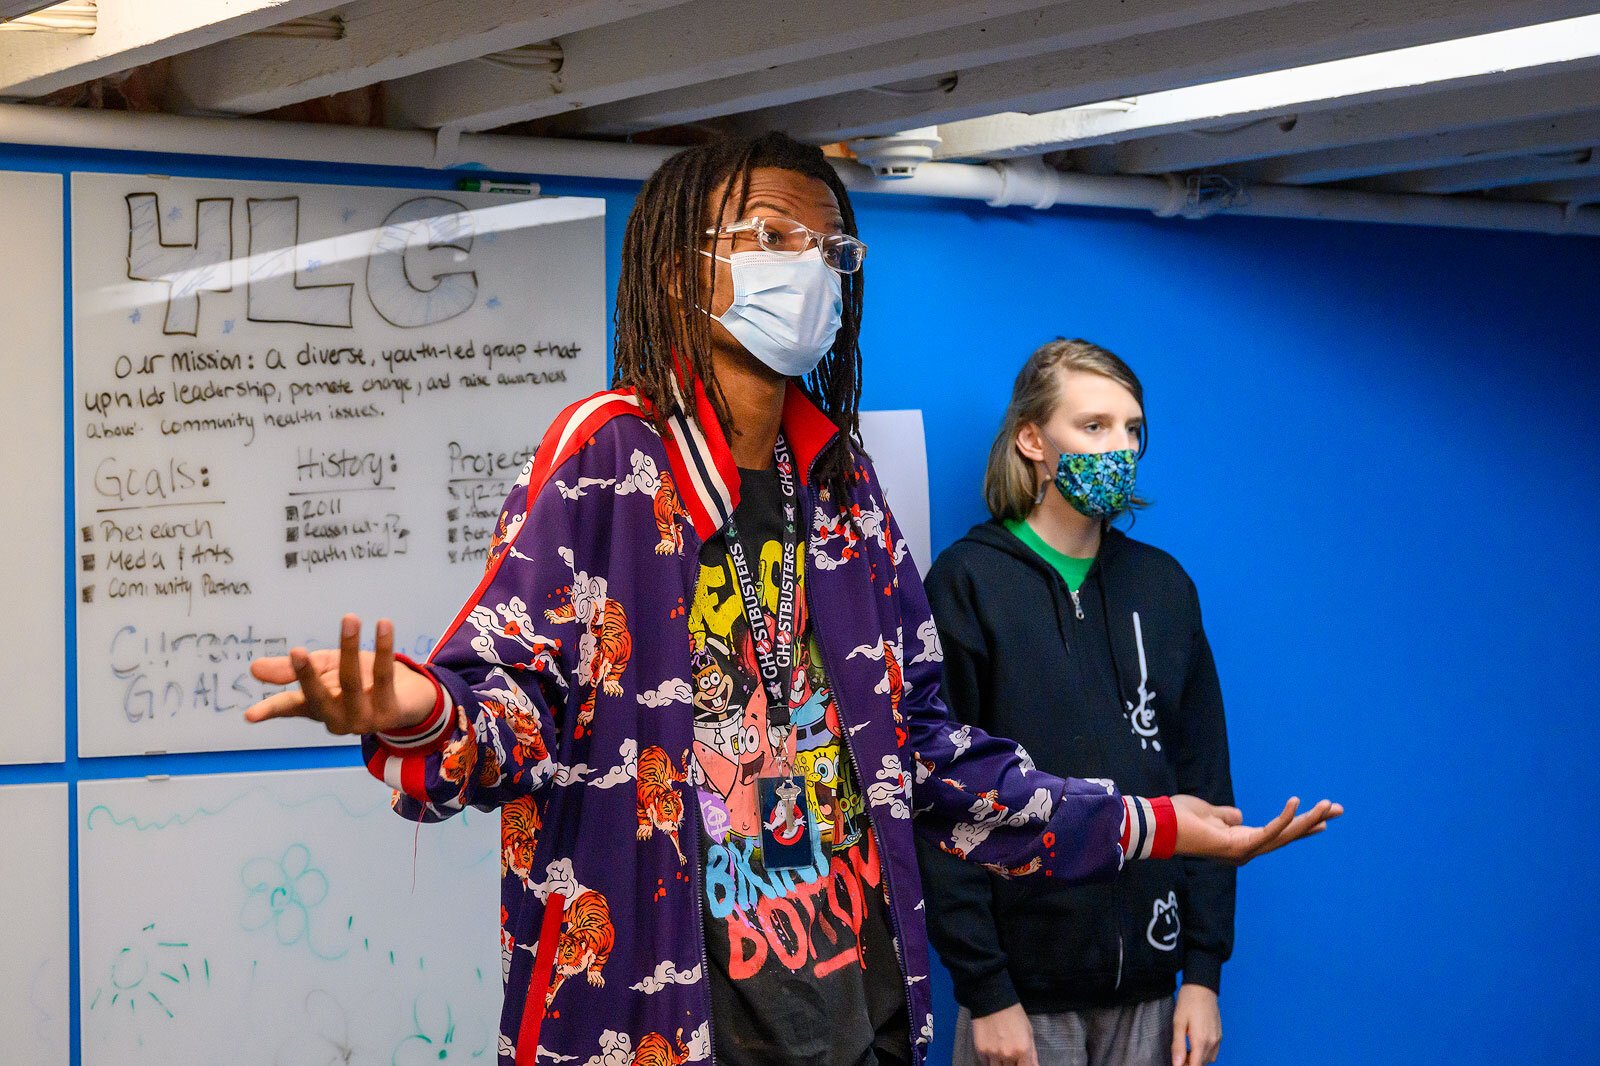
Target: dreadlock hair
659, 293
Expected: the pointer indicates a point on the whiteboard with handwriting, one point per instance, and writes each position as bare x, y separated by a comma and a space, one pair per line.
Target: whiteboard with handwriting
34, 1008
33, 361
293, 401
280, 919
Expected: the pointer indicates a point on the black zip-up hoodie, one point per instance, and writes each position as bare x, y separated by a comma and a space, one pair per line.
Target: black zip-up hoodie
1117, 682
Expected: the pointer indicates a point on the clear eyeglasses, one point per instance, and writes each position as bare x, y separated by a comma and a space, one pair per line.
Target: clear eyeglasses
774, 233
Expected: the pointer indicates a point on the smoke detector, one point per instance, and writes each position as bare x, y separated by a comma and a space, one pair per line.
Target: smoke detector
896, 155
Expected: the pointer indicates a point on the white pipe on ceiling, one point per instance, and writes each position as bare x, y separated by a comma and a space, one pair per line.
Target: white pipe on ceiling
1013, 183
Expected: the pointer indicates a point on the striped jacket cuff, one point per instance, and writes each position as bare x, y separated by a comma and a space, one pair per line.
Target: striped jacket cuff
1149, 827
425, 735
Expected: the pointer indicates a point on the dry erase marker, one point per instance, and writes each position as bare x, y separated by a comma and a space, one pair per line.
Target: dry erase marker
509, 188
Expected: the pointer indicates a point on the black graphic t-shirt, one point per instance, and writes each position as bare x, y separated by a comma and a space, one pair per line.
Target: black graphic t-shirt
802, 962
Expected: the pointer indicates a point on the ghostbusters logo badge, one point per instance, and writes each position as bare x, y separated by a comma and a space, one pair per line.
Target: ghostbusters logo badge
785, 824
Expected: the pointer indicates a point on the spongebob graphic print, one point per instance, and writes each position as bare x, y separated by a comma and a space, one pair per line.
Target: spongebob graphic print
819, 933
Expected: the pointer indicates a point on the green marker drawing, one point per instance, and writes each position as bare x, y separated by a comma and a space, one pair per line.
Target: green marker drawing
107, 815
134, 968
439, 1038
282, 893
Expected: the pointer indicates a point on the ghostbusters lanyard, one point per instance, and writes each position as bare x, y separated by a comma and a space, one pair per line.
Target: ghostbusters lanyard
776, 662
786, 842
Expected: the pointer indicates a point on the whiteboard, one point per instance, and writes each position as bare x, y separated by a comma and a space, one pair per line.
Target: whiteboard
33, 897
899, 454
33, 652
293, 401
280, 919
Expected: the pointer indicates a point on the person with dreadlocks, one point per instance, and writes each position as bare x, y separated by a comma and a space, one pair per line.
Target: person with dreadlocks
700, 678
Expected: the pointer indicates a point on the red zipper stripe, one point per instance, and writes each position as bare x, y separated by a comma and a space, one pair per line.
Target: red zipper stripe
539, 984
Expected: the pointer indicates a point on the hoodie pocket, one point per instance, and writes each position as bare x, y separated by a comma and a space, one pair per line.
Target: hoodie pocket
1060, 937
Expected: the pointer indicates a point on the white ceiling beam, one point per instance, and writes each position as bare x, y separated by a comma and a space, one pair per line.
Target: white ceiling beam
1056, 28
1371, 77
130, 33
1286, 36
998, 185
653, 53
383, 40
1493, 174
10, 9
1479, 144
1574, 191
1535, 94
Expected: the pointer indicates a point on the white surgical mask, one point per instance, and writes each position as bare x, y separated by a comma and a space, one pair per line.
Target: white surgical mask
786, 308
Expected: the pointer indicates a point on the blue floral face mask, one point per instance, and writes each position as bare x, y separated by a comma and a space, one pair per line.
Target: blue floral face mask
1097, 484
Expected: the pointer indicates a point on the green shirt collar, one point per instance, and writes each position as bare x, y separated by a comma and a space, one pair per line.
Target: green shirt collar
1072, 569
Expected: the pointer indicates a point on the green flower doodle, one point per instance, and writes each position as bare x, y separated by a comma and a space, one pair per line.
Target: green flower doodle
282, 893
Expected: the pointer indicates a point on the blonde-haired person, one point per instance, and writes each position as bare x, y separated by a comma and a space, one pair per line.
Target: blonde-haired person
1086, 646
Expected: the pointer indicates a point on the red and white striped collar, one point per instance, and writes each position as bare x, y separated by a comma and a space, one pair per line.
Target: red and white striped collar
702, 463
697, 451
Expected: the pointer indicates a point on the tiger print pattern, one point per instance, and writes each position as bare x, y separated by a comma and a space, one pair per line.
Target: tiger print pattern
524, 724
460, 757
611, 646
1033, 865
519, 830
490, 771
897, 684
657, 1050
505, 531
660, 804
587, 937
667, 509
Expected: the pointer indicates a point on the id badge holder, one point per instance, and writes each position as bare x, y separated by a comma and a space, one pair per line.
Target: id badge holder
786, 829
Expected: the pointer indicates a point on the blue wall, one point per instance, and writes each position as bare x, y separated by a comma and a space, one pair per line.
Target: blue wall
1375, 449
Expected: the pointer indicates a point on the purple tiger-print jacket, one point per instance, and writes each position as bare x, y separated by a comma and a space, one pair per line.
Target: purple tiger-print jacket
569, 668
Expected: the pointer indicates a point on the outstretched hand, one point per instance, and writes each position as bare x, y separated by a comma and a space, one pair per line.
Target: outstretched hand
1208, 831
349, 690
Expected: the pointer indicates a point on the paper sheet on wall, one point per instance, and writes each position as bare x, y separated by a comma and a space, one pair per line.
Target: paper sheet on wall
900, 456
